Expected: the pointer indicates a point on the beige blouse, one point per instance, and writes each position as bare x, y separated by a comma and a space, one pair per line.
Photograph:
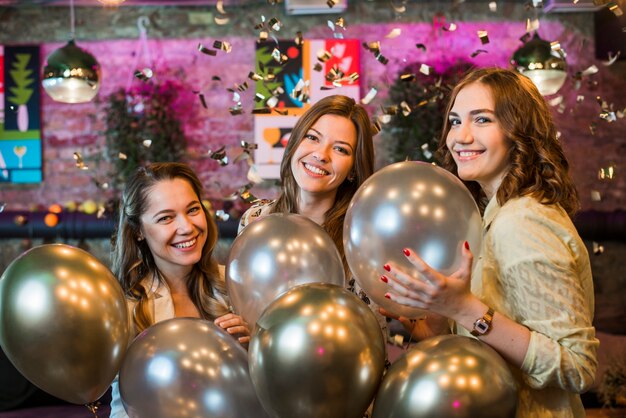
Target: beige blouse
534, 269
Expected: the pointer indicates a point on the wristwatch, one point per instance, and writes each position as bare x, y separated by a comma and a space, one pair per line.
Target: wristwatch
482, 325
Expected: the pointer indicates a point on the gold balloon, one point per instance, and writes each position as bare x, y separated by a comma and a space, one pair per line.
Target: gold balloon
317, 351
63, 321
445, 377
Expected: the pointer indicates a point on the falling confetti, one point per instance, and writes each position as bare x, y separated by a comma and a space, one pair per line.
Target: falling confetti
597, 248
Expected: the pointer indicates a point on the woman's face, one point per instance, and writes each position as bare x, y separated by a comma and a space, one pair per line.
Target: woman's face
325, 157
476, 139
174, 226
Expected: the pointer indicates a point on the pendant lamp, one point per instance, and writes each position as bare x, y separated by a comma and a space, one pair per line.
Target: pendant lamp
71, 74
538, 61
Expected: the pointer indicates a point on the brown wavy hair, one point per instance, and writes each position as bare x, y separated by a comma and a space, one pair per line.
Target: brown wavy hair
538, 166
132, 260
363, 166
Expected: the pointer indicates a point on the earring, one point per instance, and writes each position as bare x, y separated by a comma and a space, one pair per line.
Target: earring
351, 178
140, 238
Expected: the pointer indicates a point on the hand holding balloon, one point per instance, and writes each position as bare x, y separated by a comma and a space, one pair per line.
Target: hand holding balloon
234, 325
433, 291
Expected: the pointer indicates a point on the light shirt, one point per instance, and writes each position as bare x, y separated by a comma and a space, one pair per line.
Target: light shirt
162, 307
534, 269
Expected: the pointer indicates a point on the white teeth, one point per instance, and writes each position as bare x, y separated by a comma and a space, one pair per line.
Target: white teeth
185, 244
315, 169
468, 153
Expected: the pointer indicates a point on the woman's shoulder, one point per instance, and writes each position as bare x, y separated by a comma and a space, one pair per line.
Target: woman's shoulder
257, 210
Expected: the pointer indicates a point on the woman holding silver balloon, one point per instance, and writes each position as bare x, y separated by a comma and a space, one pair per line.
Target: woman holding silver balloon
530, 293
330, 153
163, 255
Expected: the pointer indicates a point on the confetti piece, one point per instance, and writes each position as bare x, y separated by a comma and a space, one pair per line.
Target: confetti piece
426, 151
203, 101
341, 23
451, 27
299, 39
425, 69
223, 45
206, 50
147, 143
614, 7
369, 96
532, 25
222, 216
556, 101
421, 46
144, 75
597, 248
79, 161
595, 196
612, 58
406, 109
332, 3
2, 206
274, 24
478, 51
493, 6
323, 55
395, 32
122, 156
484, 38
221, 20
219, 155
606, 173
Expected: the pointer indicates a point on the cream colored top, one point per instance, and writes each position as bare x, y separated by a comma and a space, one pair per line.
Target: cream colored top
534, 269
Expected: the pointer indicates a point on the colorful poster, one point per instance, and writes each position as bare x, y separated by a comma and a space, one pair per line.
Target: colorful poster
20, 123
294, 77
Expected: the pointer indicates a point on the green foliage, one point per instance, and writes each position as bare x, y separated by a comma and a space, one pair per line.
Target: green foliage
22, 77
416, 136
142, 126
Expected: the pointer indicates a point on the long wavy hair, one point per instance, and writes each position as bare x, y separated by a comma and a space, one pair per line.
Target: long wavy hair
363, 166
132, 260
538, 166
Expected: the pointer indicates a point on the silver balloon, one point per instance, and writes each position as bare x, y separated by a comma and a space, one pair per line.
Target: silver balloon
408, 205
317, 351
63, 321
445, 377
274, 254
187, 367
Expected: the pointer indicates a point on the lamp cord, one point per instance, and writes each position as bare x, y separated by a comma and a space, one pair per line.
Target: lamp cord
72, 33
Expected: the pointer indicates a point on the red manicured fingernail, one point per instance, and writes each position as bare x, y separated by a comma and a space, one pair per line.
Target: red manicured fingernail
387, 295
387, 267
384, 279
406, 252
466, 245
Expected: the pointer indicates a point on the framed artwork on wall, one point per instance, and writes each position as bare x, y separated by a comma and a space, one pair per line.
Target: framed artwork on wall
20, 122
295, 76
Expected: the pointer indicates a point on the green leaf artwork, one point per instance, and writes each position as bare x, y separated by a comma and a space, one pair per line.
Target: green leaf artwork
22, 77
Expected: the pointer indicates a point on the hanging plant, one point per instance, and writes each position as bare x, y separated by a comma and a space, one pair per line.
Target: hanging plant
142, 126
415, 135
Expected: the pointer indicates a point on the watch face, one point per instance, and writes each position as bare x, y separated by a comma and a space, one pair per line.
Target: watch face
481, 326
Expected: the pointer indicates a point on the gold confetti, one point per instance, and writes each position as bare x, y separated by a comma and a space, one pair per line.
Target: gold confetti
223, 45
606, 173
597, 248
595, 196
493, 6
532, 25
274, 24
332, 3
406, 109
395, 32
341, 23
299, 39
206, 50
222, 216
221, 20
450, 27
236, 110
220, 7
144, 75
146, 143
614, 7
323, 55
220, 156
426, 151
369, 96
425, 69
122, 156
80, 163
484, 38
421, 46
612, 58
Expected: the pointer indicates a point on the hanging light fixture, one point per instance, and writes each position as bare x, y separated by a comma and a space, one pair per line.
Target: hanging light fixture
71, 74
545, 66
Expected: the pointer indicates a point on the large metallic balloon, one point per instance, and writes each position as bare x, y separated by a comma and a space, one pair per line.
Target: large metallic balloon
408, 205
187, 367
63, 321
317, 351
274, 254
448, 377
